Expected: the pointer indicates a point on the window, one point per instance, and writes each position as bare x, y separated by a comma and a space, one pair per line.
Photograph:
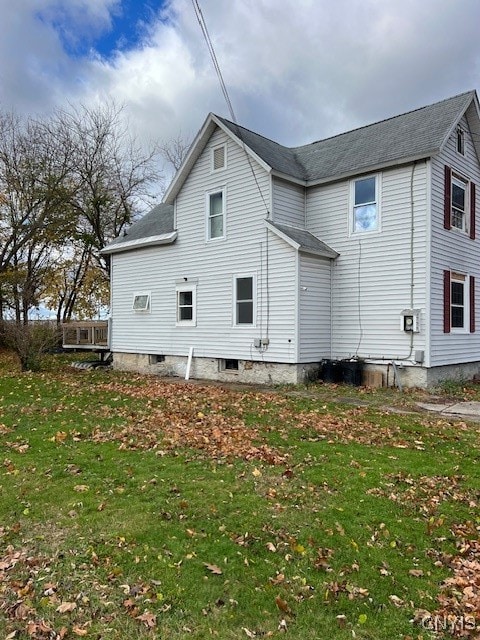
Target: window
459, 302
219, 155
229, 365
365, 205
244, 300
141, 302
461, 141
186, 304
459, 204
216, 214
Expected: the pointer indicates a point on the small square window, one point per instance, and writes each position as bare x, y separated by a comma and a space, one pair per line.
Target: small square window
229, 364
141, 302
365, 205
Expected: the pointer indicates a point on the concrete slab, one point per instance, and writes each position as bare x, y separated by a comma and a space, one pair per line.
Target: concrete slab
466, 409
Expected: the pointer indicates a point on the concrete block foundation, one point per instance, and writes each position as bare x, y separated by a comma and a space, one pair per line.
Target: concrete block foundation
270, 373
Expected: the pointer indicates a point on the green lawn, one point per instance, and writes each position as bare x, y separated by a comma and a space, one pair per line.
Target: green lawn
136, 508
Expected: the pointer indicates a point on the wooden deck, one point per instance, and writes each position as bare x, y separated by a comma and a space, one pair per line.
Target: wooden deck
91, 335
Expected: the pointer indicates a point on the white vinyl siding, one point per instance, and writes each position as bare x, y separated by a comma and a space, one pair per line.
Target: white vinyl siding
247, 249
288, 203
452, 251
371, 279
315, 312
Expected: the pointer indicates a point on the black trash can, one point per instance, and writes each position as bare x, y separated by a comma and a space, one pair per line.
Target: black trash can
352, 371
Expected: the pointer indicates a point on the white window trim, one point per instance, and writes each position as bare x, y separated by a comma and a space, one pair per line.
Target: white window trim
378, 202
236, 276
212, 166
465, 280
465, 184
179, 288
208, 194
146, 308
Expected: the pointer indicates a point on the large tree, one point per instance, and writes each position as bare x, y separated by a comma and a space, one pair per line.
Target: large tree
69, 184
35, 214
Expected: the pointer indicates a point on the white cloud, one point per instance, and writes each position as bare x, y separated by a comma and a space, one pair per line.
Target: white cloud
296, 70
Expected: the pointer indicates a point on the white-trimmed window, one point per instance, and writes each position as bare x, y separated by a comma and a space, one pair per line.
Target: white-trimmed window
459, 203
244, 300
186, 304
219, 157
141, 301
458, 302
366, 205
216, 214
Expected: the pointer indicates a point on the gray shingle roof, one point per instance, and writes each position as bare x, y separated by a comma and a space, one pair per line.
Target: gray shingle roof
156, 222
307, 241
418, 133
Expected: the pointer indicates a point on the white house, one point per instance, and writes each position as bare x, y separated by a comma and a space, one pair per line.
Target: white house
266, 260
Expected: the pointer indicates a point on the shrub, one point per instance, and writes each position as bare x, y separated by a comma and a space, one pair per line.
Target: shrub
30, 341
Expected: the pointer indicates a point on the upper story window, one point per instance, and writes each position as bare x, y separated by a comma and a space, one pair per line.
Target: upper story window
219, 157
461, 141
216, 214
244, 300
459, 205
366, 214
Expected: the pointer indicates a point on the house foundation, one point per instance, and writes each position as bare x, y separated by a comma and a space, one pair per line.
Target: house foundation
374, 374
222, 370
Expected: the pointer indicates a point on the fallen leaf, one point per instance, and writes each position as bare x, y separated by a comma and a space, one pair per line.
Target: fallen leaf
282, 604
213, 568
66, 607
148, 619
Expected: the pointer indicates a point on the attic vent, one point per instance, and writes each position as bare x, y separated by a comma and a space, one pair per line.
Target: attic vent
219, 158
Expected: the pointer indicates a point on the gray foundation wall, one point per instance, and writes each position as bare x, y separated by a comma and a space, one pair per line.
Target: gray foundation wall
249, 371
255, 372
423, 377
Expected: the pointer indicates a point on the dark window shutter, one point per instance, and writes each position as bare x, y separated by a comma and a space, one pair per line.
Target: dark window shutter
446, 302
472, 304
447, 213
472, 210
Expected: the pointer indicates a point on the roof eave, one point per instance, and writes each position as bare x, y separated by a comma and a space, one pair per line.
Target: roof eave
140, 243
324, 253
372, 168
289, 178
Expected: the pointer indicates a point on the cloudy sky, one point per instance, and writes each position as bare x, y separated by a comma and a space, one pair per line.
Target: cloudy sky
296, 70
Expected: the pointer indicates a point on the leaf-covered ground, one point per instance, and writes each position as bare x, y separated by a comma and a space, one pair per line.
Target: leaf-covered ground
132, 507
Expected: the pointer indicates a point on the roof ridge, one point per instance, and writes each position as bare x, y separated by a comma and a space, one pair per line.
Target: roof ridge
372, 124
255, 133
